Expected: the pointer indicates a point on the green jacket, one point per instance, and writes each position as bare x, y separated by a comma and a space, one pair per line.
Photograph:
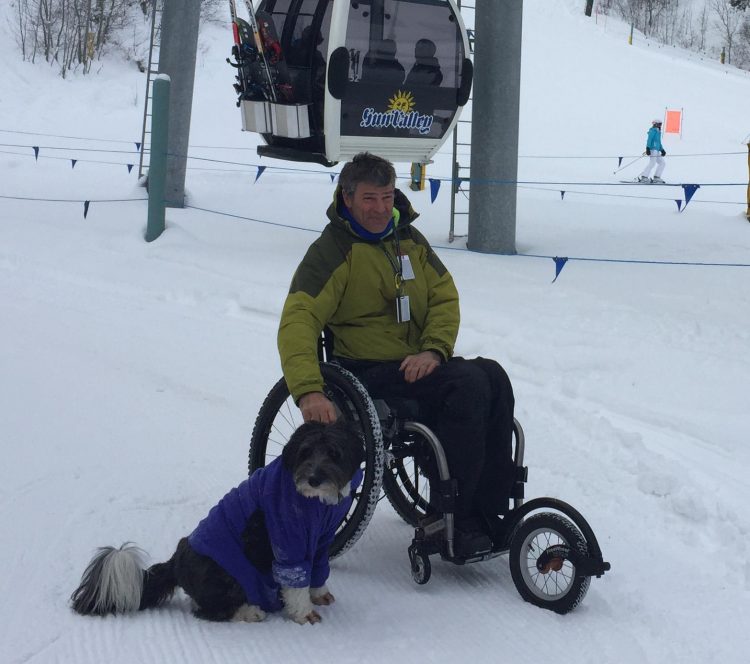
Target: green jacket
348, 284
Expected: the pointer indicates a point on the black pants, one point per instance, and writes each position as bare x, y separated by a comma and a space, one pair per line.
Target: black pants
469, 405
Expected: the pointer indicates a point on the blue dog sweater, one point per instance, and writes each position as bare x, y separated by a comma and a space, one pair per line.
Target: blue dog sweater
300, 530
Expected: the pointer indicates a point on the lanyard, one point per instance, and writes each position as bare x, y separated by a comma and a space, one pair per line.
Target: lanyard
396, 265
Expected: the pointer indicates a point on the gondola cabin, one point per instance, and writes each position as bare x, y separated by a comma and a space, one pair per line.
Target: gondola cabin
322, 80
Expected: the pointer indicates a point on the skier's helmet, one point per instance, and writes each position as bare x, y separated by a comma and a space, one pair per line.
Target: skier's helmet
656, 121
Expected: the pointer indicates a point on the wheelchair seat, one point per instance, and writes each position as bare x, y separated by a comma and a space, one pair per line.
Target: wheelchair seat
397, 407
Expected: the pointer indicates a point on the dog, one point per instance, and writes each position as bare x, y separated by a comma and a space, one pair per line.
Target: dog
263, 547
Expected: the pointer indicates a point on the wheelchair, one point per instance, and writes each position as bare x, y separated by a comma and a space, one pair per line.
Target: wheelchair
552, 553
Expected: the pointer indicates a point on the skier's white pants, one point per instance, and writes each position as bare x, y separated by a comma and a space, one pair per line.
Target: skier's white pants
654, 160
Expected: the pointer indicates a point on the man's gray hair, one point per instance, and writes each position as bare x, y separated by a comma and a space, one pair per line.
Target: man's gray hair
369, 168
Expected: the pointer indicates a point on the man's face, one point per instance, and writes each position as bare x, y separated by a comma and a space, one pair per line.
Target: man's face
371, 206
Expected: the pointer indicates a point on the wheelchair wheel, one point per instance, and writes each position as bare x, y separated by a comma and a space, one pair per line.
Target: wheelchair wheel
279, 417
404, 478
421, 570
540, 571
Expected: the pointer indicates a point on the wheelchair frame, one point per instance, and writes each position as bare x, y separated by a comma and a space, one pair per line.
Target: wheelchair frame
552, 554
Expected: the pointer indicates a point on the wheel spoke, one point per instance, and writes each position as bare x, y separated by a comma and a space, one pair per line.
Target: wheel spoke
544, 538
407, 486
279, 418
548, 584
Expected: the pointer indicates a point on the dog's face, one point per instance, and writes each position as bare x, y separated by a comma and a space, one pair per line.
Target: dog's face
323, 459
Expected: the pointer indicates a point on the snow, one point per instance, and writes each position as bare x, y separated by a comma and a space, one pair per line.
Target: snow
132, 372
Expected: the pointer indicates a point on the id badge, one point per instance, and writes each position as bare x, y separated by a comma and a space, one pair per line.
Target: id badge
402, 309
407, 271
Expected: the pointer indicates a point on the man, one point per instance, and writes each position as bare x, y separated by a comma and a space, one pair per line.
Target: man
656, 153
392, 306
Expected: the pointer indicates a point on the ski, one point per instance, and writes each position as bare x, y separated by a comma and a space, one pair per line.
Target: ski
274, 54
262, 68
244, 75
246, 54
261, 49
638, 182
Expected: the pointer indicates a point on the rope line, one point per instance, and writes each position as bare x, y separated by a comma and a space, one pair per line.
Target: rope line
68, 147
258, 221
78, 138
648, 198
636, 261
72, 200
69, 159
316, 230
459, 180
521, 255
237, 147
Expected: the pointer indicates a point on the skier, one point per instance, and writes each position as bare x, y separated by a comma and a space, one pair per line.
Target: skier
656, 153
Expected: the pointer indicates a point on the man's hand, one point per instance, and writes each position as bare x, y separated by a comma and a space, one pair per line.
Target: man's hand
420, 365
316, 407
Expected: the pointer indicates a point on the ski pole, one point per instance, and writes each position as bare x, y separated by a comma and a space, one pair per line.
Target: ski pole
630, 163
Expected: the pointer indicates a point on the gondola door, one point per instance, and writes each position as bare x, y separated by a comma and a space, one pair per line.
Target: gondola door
302, 28
398, 74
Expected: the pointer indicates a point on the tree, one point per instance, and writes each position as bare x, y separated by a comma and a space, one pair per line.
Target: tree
742, 49
703, 27
728, 22
645, 15
68, 33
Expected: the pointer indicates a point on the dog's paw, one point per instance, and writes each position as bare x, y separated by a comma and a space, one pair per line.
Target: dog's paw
321, 596
312, 618
298, 605
249, 613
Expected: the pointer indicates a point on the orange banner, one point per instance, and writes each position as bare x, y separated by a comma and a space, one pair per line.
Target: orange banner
673, 123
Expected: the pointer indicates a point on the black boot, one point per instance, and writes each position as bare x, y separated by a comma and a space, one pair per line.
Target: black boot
471, 538
497, 528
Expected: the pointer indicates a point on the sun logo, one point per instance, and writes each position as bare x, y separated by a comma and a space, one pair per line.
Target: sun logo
401, 101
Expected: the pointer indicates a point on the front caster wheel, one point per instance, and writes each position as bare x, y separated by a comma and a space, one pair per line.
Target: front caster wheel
541, 565
420, 567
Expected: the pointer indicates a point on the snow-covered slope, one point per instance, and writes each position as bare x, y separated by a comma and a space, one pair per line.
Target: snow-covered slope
132, 372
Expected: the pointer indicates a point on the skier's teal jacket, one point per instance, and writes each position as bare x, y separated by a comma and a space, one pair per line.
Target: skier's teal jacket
653, 139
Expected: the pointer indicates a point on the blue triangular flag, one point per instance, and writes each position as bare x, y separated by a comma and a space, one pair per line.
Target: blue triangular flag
559, 265
679, 204
85, 208
73, 163
619, 161
36, 152
137, 146
259, 173
562, 195
434, 189
130, 167
689, 190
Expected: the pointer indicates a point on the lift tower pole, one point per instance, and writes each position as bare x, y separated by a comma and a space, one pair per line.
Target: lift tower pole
179, 44
494, 126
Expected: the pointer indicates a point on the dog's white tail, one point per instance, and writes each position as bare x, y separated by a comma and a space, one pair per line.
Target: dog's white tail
112, 582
